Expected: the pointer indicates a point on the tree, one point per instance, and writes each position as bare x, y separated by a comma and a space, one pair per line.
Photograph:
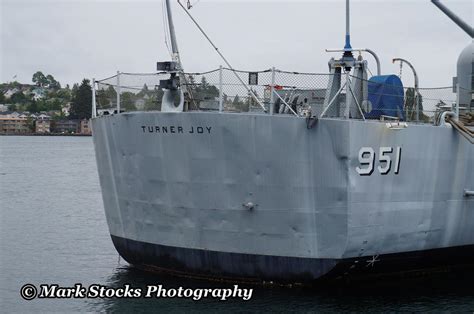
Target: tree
204, 84
12, 107
154, 102
102, 99
51, 104
39, 79
127, 101
74, 89
143, 92
52, 83
64, 94
18, 98
411, 106
236, 100
30, 122
32, 106
111, 94
81, 106
2, 98
240, 105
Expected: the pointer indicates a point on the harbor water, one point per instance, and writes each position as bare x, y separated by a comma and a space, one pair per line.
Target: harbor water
53, 231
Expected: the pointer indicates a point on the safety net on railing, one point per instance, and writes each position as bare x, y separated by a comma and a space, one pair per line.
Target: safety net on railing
285, 92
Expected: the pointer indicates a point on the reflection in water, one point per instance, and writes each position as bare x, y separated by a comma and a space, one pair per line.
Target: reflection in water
442, 292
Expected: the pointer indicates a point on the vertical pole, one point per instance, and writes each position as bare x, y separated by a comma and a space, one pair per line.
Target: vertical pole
272, 91
221, 94
174, 44
347, 108
407, 114
457, 100
417, 106
416, 94
347, 46
118, 91
94, 105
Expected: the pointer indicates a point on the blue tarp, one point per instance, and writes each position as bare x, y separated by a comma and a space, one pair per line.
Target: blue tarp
386, 95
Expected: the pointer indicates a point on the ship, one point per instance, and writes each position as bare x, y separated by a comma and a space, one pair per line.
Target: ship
288, 192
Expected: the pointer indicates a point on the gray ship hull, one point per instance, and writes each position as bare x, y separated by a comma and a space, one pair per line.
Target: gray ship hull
263, 197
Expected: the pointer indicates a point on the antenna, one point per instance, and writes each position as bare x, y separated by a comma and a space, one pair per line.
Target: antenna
456, 19
347, 47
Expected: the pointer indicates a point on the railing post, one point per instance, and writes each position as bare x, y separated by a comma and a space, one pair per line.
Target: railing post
272, 90
94, 105
118, 91
347, 110
457, 100
221, 94
417, 106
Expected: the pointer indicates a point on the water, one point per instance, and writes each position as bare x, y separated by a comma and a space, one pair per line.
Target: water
53, 230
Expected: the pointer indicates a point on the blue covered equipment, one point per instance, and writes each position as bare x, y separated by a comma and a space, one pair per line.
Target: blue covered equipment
387, 96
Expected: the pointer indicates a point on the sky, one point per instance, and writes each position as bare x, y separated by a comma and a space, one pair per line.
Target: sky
76, 39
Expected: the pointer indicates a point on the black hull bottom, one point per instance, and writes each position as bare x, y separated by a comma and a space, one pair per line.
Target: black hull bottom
258, 268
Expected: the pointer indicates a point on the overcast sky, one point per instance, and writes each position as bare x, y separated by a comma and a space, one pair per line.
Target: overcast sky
79, 39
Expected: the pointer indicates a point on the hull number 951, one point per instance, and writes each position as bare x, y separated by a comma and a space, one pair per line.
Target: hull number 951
388, 158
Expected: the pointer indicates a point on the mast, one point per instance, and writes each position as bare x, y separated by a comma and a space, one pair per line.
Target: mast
174, 43
176, 58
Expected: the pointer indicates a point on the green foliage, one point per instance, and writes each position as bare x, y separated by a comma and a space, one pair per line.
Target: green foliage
145, 91
48, 81
54, 98
32, 107
106, 98
411, 107
102, 99
52, 83
240, 105
206, 91
81, 106
127, 101
236, 100
74, 89
153, 103
19, 98
203, 91
30, 122
40, 79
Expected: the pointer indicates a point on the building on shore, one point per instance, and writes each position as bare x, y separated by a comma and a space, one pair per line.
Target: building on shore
13, 124
85, 127
43, 124
66, 126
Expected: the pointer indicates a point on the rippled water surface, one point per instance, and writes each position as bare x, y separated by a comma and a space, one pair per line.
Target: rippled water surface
53, 230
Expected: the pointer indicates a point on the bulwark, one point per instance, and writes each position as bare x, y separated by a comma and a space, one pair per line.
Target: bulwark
173, 129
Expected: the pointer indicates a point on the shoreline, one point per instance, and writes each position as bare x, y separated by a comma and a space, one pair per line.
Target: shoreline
44, 134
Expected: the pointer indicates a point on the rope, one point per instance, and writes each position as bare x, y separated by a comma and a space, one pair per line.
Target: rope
462, 129
201, 73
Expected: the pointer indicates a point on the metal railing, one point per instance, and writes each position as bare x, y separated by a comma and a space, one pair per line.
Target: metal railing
280, 92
